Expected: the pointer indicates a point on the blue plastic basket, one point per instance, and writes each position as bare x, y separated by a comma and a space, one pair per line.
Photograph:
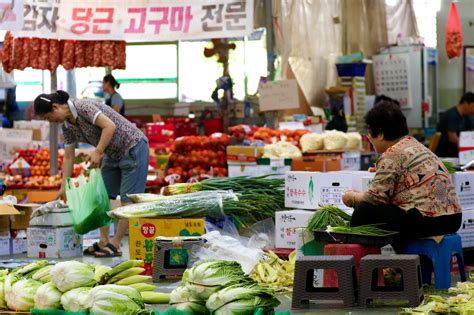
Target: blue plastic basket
351, 69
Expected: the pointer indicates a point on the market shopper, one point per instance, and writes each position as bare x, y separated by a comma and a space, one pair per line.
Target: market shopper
454, 121
121, 150
411, 192
113, 99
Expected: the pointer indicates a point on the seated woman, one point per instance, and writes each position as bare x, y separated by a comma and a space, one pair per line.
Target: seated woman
412, 192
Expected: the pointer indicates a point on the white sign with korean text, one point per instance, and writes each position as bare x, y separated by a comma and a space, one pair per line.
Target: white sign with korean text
279, 95
466, 147
138, 20
11, 15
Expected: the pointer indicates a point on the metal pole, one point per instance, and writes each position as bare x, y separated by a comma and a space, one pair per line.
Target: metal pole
53, 133
269, 39
273, 115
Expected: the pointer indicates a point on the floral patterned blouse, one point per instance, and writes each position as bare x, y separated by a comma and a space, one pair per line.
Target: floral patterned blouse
410, 176
85, 112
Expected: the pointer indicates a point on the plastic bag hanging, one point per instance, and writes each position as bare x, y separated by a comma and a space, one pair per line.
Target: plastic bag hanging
89, 202
453, 34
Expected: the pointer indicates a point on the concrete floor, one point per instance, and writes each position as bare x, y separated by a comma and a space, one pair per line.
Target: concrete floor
285, 300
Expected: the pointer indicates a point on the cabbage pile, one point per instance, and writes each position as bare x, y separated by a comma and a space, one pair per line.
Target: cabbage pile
220, 287
79, 287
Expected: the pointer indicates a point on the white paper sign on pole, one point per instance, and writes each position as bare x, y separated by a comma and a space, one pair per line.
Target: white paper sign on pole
11, 15
279, 95
137, 20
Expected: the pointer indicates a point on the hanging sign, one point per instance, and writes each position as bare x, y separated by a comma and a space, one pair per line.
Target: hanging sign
137, 20
11, 15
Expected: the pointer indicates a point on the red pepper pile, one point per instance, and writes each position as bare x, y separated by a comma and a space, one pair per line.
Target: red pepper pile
195, 156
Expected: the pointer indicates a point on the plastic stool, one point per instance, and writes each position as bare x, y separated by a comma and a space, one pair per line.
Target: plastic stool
356, 250
411, 290
305, 290
440, 256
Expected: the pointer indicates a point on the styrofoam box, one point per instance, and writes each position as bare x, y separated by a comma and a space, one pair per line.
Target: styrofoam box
466, 231
308, 190
466, 143
286, 223
4, 246
60, 242
242, 169
19, 245
464, 187
351, 160
95, 234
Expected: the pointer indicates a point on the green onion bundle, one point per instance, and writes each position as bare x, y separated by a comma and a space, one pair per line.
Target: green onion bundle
328, 215
450, 167
241, 184
365, 230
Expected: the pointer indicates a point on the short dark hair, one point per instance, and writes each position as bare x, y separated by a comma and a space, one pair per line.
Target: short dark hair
468, 97
382, 97
111, 80
44, 102
386, 118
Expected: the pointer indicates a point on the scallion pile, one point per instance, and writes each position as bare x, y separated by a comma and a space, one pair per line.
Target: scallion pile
365, 230
241, 184
328, 215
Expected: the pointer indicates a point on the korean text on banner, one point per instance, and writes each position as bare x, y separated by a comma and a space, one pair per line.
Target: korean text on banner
137, 20
11, 15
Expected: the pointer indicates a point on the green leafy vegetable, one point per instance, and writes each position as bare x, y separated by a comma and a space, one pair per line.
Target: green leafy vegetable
328, 215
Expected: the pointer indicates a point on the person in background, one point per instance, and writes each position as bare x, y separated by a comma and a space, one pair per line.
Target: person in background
114, 99
411, 192
121, 150
454, 121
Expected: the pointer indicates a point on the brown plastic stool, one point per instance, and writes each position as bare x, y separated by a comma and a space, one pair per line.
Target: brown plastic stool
411, 287
304, 290
163, 247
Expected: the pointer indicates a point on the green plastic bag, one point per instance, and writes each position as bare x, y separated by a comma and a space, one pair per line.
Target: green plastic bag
89, 202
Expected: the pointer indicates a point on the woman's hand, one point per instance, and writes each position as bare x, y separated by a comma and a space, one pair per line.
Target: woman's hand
352, 198
348, 198
61, 195
95, 158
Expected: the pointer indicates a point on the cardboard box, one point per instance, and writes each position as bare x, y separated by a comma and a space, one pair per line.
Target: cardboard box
21, 221
308, 190
464, 186
466, 147
466, 231
273, 166
316, 164
242, 169
53, 242
361, 180
4, 223
39, 128
286, 223
236, 153
18, 245
142, 233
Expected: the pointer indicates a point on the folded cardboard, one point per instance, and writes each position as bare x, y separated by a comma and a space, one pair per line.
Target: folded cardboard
286, 223
53, 242
464, 186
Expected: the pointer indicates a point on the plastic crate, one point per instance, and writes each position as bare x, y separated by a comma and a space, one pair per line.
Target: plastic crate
351, 69
160, 132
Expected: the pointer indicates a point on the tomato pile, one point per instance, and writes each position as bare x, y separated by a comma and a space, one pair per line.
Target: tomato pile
195, 156
267, 135
40, 164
